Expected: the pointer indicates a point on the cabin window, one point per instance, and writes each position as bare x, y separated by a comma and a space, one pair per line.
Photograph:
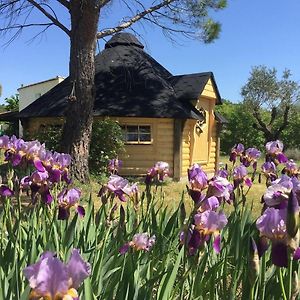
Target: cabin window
137, 134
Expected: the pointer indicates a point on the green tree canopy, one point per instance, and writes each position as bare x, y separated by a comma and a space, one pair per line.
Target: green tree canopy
270, 100
239, 128
12, 103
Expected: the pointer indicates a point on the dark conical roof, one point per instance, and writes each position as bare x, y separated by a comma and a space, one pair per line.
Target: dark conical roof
124, 38
129, 82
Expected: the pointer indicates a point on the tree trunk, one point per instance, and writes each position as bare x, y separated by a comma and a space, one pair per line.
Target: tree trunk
77, 130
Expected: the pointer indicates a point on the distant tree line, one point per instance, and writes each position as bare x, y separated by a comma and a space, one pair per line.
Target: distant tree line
242, 127
270, 110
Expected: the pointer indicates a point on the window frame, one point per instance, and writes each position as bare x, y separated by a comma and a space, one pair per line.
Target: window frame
137, 142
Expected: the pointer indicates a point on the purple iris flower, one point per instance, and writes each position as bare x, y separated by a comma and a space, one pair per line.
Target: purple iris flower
159, 171
277, 193
196, 240
12, 156
222, 173
15, 150
275, 151
162, 169
274, 147
120, 187
63, 160
46, 196
4, 142
272, 224
237, 150
239, 172
39, 184
251, 156
140, 241
197, 177
5, 191
39, 165
185, 235
66, 200
150, 175
210, 223
240, 176
50, 278
56, 164
196, 195
33, 150
220, 187
39, 177
210, 203
114, 165
291, 168
269, 169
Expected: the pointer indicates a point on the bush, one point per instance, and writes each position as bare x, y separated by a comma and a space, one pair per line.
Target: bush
106, 143
50, 136
239, 128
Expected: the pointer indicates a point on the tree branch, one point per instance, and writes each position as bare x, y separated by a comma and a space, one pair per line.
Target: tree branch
65, 3
21, 26
285, 122
262, 126
273, 115
103, 3
49, 16
133, 20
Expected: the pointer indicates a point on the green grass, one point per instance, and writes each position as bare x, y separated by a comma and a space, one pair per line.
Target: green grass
173, 192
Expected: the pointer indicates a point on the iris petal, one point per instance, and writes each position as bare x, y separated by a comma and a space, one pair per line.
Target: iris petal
217, 244
279, 254
78, 269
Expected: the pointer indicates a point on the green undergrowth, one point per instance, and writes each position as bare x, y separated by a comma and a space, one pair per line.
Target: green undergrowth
165, 272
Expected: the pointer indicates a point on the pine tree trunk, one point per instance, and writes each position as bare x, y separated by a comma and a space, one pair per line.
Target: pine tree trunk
79, 116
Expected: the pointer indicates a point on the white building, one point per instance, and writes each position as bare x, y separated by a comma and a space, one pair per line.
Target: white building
29, 93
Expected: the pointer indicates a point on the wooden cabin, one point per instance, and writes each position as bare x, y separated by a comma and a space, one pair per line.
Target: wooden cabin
164, 117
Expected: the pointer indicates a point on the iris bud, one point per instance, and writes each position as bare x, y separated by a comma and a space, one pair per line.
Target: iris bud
295, 285
253, 262
292, 215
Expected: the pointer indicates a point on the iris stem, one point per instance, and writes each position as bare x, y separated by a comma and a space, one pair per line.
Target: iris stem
262, 279
290, 274
280, 277
252, 292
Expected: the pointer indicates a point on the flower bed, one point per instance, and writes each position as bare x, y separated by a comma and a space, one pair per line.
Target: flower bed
132, 247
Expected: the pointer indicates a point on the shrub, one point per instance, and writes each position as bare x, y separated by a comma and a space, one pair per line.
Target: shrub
49, 135
106, 143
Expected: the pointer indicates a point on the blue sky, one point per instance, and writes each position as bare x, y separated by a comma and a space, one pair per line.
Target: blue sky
256, 32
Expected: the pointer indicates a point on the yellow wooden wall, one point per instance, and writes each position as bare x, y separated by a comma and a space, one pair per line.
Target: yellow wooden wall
201, 147
138, 158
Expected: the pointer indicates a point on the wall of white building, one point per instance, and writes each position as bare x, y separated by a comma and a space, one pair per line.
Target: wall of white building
31, 92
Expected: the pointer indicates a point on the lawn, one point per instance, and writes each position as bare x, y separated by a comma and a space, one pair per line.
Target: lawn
172, 192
